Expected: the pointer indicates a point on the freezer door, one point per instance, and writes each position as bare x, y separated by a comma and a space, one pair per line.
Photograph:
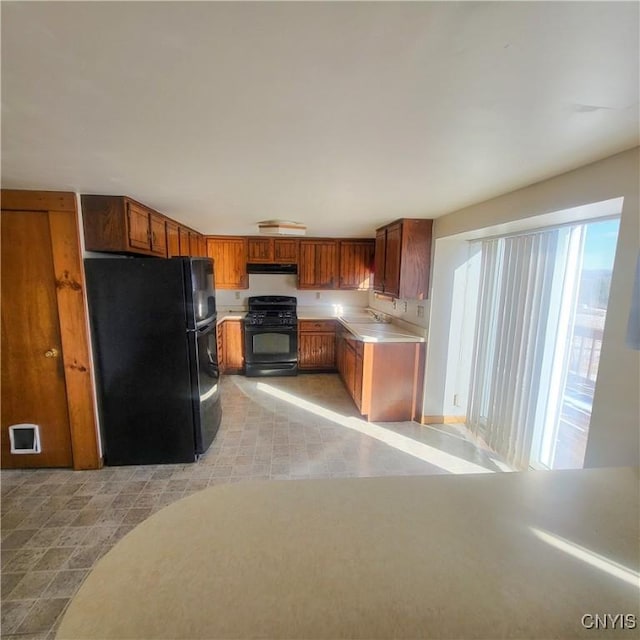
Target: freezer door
201, 290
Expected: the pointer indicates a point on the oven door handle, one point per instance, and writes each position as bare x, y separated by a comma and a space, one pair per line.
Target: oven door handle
253, 332
263, 329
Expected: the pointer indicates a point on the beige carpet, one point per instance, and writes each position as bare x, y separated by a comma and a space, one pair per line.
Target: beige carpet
414, 557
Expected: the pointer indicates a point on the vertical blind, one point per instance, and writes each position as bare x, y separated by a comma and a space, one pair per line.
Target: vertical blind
516, 287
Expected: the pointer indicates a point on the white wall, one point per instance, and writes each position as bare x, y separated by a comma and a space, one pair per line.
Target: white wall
449, 351
416, 312
285, 285
614, 435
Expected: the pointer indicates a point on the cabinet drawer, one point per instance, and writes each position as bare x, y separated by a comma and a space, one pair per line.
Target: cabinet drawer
317, 325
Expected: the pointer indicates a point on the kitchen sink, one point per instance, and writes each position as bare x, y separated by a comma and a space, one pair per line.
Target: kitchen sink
358, 319
362, 319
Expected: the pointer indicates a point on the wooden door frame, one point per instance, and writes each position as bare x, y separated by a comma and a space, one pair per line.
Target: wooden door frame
72, 312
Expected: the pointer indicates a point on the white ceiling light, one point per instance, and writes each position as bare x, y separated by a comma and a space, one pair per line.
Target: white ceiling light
282, 228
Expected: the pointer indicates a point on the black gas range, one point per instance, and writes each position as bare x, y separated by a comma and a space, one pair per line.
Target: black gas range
271, 336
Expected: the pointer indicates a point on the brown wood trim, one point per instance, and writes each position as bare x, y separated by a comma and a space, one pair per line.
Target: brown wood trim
19, 200
443, 419
78, 369
367, 378
418, 381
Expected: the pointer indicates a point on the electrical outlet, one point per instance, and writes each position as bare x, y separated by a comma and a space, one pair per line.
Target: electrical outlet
395, 305
455, 400
420, 311
404, 304
237, 295
317, 295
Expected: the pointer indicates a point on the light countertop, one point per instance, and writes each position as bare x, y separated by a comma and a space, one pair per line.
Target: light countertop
378, 331
360, 322
365, 326
499, 555
230, 315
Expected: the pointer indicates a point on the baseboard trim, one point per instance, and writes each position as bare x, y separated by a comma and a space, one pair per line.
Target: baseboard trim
443, 419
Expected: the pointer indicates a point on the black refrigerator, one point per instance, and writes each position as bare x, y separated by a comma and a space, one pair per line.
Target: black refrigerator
153, 329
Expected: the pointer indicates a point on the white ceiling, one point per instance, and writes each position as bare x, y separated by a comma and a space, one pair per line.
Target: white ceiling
343, 116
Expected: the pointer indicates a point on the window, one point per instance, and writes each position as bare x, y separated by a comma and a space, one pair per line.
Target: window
542, 307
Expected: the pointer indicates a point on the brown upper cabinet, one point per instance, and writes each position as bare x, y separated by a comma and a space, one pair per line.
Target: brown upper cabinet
322, 263
260, 250
356, 264
285, 250
194, 246
173, 238
120, 224
272, 250
189, 243
318, 264
229, 254
183, 241
380, 255
158, 234
202, 246
403, 258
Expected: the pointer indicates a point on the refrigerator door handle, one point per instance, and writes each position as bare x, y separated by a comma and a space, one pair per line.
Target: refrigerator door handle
204, 328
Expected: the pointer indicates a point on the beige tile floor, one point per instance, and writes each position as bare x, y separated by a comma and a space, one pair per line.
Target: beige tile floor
57, 523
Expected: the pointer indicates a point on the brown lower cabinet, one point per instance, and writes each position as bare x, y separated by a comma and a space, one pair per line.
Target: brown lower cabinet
231, 346
317, 345
383, 378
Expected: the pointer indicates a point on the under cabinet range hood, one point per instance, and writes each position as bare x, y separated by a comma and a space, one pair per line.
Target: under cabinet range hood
256, 267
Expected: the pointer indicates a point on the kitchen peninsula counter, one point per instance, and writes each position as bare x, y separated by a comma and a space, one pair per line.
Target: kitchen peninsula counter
498, 555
